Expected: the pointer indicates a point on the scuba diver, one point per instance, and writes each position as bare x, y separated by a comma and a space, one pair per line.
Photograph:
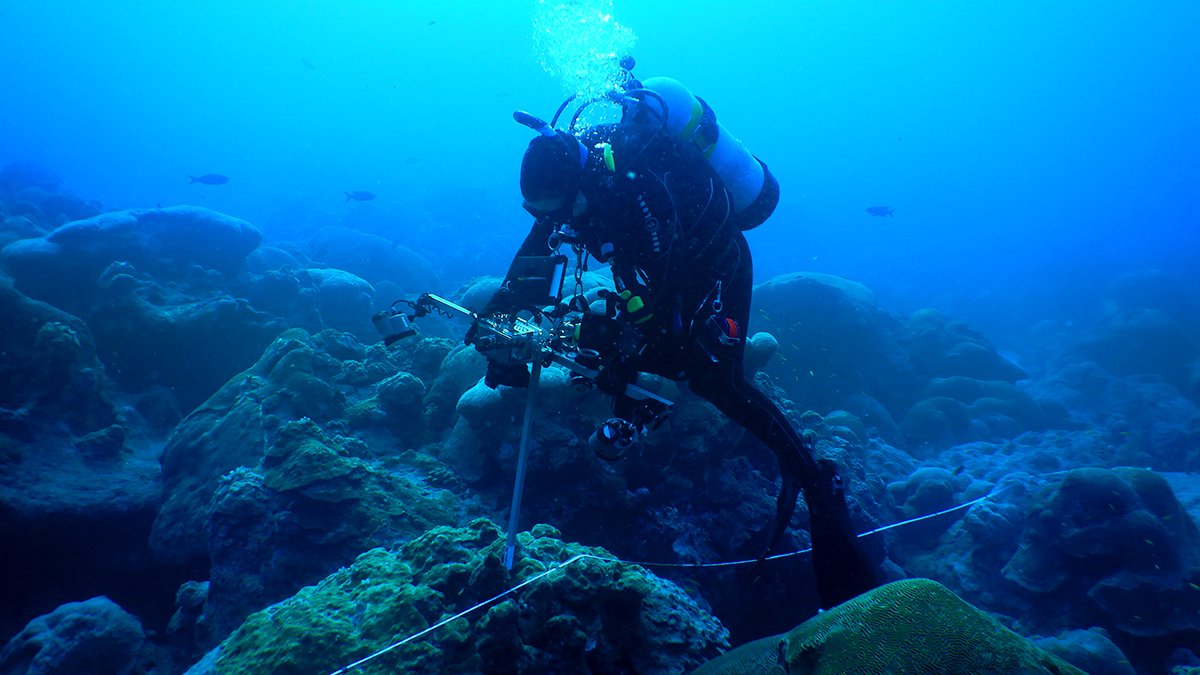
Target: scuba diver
663, 197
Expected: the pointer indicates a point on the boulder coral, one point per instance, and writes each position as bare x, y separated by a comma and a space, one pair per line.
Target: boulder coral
836, 349
76, 492
961, 409
50, 369
62, 267
297, 377
198, 338
308, 509
833, 339
1120, 537
93, 636
942, 347
33, 192
909, 626
593, 615
1148, 328
373, 258
343, 300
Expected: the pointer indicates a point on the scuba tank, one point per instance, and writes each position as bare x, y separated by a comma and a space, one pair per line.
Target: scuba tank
677, 112
754, 191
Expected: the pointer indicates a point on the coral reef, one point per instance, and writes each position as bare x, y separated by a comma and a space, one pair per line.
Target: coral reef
945, 383
1121, 538
374, 259
309, 509
50, 370
1148, 328
244, 424
196, 426
1090, 650
910, 626
592, 616
94, 636
834, 340
62, 267
199, 338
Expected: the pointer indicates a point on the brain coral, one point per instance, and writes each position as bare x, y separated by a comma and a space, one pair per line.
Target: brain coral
909, 626
912, 626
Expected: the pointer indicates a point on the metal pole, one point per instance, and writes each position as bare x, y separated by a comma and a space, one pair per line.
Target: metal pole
510, 547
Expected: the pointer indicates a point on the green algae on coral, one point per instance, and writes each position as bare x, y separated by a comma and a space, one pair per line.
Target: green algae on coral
343, 497
912, 626
595, 614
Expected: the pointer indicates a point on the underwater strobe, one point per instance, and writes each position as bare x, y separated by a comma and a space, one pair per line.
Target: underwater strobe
393, 325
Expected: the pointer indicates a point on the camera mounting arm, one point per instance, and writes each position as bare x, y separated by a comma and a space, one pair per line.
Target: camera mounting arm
516, 341
513, 340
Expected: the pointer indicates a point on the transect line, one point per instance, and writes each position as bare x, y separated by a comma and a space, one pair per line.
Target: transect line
582, 556
443, 622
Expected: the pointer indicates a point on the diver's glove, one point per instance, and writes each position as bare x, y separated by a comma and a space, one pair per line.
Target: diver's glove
507, 374
501, 303
632, 307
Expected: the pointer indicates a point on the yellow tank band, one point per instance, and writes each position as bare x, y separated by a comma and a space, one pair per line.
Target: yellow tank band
690, 128
635, 304
609, 160
644, 319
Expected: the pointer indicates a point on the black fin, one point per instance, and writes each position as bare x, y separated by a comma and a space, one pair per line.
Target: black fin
842, 571
785, 506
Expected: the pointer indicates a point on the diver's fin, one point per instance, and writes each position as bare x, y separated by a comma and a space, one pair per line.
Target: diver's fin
842, 571
785, 506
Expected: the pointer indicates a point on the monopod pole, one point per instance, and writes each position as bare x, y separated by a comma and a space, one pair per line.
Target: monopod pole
510, 547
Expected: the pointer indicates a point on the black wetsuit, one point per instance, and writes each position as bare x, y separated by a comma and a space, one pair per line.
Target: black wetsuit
663, 219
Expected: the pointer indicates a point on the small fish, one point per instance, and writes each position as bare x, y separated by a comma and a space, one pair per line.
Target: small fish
360, 196
308, 64
880, 211
210, 179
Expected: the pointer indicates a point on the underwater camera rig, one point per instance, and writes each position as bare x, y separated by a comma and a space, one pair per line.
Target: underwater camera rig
513, 339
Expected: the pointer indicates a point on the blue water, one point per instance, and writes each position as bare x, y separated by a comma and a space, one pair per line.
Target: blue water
1028, 148
1032, 151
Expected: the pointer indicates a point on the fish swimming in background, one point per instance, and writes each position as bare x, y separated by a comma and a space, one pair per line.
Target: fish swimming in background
360, 196
881, 211
210, 179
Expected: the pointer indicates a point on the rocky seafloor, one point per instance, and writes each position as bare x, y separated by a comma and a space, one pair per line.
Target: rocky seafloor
209, 463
